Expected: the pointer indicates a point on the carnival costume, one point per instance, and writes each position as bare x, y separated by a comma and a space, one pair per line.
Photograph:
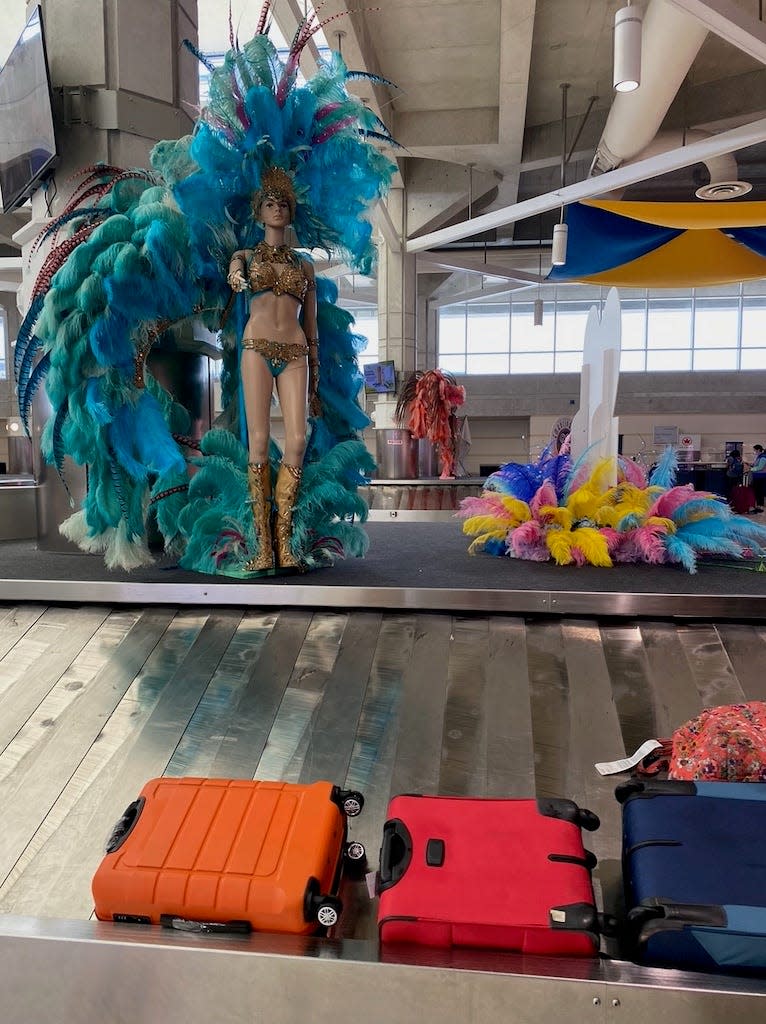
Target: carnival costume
554, 509
149, 249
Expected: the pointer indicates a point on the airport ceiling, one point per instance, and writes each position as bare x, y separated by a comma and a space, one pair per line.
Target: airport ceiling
479, 85
478, 99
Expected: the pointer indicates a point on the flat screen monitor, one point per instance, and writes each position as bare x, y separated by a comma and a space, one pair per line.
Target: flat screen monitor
380, 378
28, 151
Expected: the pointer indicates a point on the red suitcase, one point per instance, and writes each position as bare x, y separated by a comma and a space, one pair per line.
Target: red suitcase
228, 855
503, 874
742, 500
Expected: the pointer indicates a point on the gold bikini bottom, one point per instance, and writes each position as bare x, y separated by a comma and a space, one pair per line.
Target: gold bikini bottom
277, 353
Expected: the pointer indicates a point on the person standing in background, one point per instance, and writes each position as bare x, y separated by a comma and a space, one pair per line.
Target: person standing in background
758, 469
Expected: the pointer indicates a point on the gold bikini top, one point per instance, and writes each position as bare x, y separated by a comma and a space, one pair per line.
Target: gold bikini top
277, 269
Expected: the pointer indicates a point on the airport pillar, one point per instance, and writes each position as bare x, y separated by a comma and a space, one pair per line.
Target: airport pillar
122, 80
397, 309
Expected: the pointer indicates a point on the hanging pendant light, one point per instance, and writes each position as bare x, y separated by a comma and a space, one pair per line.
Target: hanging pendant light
559, 246
560, 230
627, 48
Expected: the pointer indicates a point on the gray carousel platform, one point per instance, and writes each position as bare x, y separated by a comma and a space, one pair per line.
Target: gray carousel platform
416, 669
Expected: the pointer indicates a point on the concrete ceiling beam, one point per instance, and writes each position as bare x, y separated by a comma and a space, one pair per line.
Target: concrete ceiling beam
641, 170
729, 22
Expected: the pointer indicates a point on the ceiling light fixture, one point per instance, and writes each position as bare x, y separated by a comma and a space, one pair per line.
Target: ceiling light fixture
559, 246
627, 48
560, 230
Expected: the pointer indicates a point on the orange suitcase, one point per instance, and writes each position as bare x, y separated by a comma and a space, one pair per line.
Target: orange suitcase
229, 855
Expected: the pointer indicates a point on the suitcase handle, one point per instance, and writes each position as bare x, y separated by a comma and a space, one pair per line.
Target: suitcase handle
125, 825
183, 924
395, 853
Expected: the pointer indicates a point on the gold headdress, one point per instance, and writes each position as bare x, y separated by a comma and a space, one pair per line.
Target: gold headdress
276, 183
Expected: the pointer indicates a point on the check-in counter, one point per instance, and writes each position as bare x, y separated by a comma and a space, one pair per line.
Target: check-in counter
705, 476
18, 507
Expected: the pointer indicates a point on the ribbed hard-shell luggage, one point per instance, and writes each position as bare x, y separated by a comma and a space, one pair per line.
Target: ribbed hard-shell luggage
694, 864
742, 499
228, 854
502, 874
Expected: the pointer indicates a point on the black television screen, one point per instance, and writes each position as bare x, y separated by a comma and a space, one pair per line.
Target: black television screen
380, 378
27, 140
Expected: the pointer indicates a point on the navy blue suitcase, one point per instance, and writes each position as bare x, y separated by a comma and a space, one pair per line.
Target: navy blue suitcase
694, 867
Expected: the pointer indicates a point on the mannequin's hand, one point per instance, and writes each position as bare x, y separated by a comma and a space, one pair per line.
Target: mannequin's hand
315, 406
237, 282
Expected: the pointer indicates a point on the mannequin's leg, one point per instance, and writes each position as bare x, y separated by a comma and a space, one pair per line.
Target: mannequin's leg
257, 385
291, 386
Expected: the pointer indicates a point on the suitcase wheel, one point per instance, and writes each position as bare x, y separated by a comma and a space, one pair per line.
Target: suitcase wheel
351, 802
355, 860
591, 860
355, 852
328, 910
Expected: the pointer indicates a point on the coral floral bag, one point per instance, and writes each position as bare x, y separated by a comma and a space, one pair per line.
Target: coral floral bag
726, 744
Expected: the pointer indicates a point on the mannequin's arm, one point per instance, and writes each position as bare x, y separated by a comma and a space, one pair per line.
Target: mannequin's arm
237, 268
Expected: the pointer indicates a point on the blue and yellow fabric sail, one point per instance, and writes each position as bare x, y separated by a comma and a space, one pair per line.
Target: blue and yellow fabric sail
664, 245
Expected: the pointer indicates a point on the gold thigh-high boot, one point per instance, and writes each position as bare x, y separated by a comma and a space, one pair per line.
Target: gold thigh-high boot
285, 493
259, 482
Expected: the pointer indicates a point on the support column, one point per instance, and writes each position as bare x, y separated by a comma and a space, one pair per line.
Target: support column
122, 81
397, 308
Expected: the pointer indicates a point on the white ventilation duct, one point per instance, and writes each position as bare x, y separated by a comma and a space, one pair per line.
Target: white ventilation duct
722, 169
671, 40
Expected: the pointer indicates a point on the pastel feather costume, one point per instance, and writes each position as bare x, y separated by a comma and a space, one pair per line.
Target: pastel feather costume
148, 250
554, 509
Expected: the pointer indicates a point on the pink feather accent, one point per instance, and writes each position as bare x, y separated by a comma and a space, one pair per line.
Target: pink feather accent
626, 549
545, 495
632, 472
671, 500
612, 537
527, 541
488, 504
649, 541
577, 556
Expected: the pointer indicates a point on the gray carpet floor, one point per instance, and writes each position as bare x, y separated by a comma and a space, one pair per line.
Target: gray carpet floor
411, 555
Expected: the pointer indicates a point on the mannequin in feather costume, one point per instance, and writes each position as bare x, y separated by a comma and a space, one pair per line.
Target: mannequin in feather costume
149, 249
553, 509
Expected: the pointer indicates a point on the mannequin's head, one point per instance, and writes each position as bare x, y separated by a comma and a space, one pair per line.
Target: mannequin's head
275, 194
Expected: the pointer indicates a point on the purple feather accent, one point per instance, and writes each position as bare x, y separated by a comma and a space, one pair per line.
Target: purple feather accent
333, 129
262, 20
326, 110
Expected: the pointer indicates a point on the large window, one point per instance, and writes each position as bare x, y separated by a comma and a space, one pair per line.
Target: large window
699, 329
366, 324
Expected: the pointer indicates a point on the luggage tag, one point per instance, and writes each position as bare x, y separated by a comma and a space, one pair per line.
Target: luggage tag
624, 764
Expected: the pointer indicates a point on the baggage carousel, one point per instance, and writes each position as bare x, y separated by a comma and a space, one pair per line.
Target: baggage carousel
416, 669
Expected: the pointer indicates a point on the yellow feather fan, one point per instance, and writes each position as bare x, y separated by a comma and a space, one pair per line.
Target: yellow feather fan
557, 515
517, 508
559, 543
593, 546
490, 525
